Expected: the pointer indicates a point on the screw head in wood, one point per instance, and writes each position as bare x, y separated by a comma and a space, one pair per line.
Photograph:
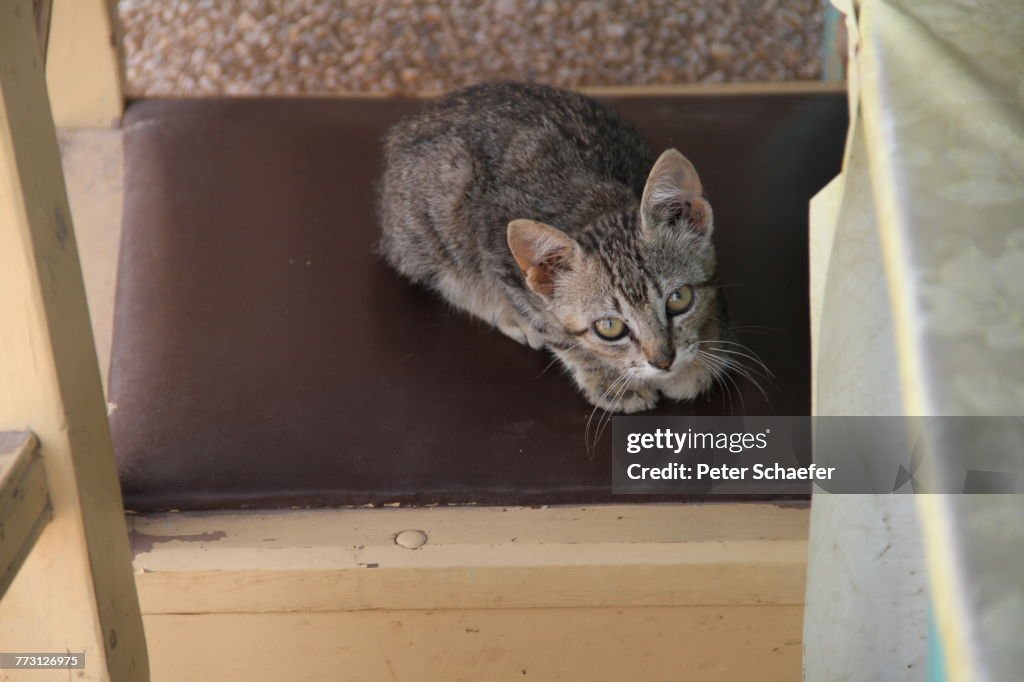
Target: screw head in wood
411, 539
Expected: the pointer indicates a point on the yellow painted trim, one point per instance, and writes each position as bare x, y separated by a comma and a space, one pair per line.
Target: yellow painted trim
24, 504
663, 644
474, 558
84, 73
75, 591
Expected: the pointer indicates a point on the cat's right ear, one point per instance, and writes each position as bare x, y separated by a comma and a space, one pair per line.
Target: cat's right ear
542, 252
674, 196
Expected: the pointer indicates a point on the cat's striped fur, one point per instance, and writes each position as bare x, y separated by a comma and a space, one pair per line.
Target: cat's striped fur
540, 211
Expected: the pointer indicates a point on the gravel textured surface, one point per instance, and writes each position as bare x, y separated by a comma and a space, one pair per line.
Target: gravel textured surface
241, 47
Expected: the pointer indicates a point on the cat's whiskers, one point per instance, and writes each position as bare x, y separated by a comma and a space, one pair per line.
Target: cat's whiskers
607, 417
728, 391
586, 431
742, 350
752, 328
715, 370
726, 364
734, 364
728, 377
721, 371
556, 359
745, 371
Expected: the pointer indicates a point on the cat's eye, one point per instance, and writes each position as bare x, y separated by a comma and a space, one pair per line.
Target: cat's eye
610, 328
679, 301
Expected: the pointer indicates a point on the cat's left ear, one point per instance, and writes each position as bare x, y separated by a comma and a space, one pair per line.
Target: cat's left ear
542, 252
674, 197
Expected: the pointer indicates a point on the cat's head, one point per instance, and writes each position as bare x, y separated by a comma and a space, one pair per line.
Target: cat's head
635, 289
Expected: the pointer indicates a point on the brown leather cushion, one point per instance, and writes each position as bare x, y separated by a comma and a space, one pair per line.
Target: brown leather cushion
263, 355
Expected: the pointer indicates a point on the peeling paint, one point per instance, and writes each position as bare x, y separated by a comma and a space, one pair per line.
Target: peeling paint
144, 542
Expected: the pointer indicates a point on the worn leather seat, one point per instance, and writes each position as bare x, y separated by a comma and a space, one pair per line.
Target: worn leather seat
264, 356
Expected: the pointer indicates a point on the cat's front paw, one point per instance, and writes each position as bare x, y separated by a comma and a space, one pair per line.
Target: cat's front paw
518, 329
638, 400
688, 383
632, 399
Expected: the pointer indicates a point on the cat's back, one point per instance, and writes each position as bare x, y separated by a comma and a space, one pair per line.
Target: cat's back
491, 111
506, 126
464, 165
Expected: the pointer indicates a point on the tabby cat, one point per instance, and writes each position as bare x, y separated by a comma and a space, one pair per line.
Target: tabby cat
543, 213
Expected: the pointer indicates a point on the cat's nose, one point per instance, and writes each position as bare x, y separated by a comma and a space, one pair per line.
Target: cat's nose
661, 363
663, 359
